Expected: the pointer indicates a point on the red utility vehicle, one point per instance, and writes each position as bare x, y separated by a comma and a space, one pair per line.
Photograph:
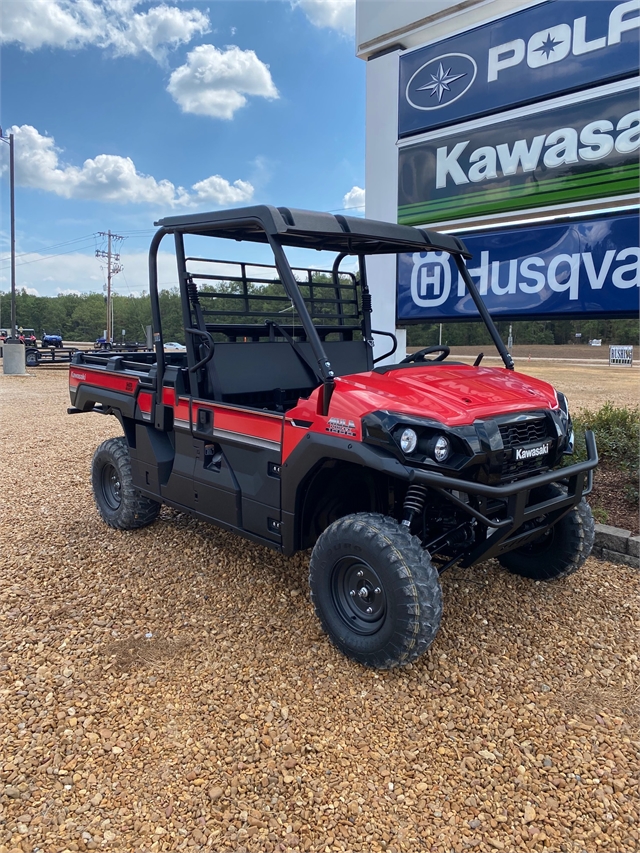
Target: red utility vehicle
275, 423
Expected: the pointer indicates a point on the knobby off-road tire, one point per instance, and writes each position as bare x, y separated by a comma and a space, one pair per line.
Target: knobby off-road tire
561, 550
119, 503
398, 618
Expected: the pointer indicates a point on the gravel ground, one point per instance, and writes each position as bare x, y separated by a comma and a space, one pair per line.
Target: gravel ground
170, 689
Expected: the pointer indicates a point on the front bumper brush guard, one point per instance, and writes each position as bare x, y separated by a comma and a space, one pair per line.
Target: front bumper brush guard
507, 533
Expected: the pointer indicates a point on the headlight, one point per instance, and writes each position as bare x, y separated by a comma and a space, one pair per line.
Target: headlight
441, 448
408, 440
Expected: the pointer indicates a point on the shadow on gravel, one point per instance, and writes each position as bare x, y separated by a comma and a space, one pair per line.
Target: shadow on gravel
132, 654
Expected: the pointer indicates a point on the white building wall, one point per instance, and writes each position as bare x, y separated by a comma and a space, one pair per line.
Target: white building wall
381, 181
413, 23
394, 26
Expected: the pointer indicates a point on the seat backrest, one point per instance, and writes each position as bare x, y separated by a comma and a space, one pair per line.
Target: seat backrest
262, 366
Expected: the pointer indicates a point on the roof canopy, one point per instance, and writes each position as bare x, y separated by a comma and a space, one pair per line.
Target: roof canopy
313, 230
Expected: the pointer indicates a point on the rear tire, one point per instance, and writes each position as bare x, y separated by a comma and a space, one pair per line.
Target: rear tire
32, 358
375, 590
119, 502
560, 551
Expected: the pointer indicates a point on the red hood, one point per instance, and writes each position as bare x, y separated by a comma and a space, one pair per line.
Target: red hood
451, 394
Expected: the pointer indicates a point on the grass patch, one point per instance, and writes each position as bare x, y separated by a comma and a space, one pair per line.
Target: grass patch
617, 432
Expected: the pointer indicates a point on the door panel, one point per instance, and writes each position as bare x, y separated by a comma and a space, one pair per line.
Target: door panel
216, 490
237, 472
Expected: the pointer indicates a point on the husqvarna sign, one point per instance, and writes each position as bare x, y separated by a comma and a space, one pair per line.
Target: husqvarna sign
591, 267
555, 47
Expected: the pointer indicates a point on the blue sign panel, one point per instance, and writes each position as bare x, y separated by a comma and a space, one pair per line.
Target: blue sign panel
555, 47
562, 270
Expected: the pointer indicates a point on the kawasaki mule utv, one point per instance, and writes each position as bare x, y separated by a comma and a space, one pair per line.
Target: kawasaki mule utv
277, 424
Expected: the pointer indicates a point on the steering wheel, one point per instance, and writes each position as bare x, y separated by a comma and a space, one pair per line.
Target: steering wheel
420, 355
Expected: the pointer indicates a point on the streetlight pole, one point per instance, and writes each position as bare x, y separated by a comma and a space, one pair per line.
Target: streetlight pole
12, 194
13, 356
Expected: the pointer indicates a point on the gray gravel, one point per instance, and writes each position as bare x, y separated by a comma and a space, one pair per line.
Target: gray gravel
170, 689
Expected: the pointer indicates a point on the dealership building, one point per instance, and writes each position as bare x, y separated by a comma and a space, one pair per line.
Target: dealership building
515, 124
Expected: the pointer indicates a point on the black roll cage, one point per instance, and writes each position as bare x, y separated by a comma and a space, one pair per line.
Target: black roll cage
281, 227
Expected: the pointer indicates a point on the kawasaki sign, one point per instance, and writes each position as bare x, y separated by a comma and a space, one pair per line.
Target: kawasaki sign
553, 156
579, 268
554, 47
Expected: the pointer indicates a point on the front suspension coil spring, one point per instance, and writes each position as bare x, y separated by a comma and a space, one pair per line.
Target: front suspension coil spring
414, 502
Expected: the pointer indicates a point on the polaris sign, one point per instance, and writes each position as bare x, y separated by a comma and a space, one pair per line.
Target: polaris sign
555, 47
547, 271
556, 155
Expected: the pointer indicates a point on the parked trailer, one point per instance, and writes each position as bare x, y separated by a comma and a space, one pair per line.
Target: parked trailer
54, 355
48, 355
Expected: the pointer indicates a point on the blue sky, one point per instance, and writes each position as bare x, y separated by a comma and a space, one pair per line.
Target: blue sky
124, 112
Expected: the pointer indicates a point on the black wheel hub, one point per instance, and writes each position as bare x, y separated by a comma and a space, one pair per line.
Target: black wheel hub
111, 486
358, 595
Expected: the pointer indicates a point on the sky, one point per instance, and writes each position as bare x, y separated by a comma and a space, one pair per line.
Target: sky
124, 112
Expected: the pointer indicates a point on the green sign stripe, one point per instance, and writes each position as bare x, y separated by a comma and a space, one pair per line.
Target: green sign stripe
477, 207
603, 176
517, 197
489, 208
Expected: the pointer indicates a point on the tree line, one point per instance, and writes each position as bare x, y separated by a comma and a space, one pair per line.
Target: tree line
83, 318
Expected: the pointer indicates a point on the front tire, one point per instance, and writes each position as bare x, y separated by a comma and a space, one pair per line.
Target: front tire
560, 551
32, 358
375, 590
119, 502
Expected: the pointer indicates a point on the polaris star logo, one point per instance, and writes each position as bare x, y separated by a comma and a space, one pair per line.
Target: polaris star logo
441, 81
532, 452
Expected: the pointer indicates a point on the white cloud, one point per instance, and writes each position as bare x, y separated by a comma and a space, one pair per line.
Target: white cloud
30, 291
214, 82
336, 14
77, 273
354, 198
111, 178
73, 24
67, 291
220, 191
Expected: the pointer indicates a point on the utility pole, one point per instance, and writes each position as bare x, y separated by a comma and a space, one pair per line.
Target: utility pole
113, 267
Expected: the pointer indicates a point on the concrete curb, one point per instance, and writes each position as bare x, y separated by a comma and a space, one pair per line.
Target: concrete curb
617, 546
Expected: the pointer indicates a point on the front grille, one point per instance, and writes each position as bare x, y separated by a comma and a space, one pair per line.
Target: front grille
529, 431
523, 432
512, 468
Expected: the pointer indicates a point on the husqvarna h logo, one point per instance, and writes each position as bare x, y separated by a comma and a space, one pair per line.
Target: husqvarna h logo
441, 81
430, 279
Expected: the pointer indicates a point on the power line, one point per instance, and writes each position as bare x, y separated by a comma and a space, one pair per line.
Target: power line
46, 257
54, 246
